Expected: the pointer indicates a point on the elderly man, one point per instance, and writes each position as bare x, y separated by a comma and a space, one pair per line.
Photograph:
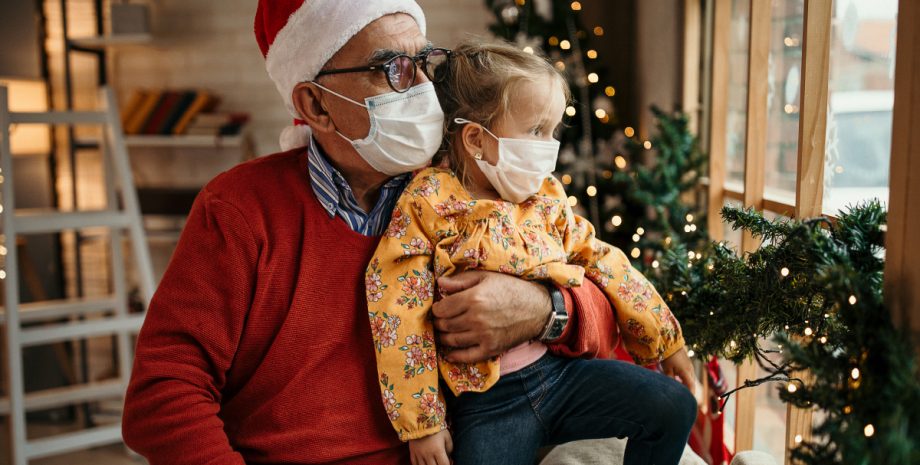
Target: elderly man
257, 347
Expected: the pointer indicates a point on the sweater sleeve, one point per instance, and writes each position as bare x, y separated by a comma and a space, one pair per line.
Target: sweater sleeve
649, 329
591, 331
189, 339
400, 284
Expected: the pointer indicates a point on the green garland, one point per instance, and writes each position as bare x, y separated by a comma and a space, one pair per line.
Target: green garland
816, 287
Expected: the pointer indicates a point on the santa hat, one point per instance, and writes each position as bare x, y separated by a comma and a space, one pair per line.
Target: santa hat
298, 37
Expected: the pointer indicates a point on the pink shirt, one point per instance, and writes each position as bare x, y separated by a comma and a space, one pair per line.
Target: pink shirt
520, 356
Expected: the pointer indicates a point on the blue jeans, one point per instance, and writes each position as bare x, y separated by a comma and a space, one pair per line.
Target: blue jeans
557, 400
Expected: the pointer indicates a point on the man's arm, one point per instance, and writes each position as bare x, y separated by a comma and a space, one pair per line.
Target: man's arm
188, 341
487, 313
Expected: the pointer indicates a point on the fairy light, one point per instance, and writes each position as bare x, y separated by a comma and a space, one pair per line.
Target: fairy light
620, 161
528, 49
791, 388
808, 331
635, 252
570, 111
847, 410
854, 374
2, 250
554, 41
576, 6
616, 220
869, 430
573, 201
732, 344
655, 264
592, 54
667, 240
629, 131
567, 179
593, 78
823, 339
565, 45
798, 438
636, 238
691, 255
683, 293
560, 66
640, 231
686, 228
610, 91
690, 353
598, 31
647, 144
2, 274
591, 190
852, 300
784, 272
600, 113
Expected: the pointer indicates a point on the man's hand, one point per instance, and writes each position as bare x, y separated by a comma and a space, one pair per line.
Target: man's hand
679, 365
431, 450
484, 314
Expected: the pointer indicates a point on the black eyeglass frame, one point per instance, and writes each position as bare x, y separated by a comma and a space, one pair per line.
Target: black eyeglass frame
384, 67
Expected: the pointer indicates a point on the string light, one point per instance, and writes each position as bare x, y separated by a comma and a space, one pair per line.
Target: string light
636, 238
629, 131
2, 250
610, 91
620, 162
593, 78
598, 31
521, 2
570, 110
566, 179
869, 430
655, 264
854, 374
528, 49
647, 144
689, 217
784, 272
554, 41
798, 438
560, 66
2, 274
640, 231
600, 113
732, 344
635, 252
592, 54
616, 220
808, 331
687, 228
576, 6
691, 255
852, 300
591, 190
847, 410
791, 388
823, 339
573, 201
667, 240
565, 45
690, 353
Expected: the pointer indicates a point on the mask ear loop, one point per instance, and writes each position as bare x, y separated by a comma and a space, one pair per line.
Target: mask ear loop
466, 121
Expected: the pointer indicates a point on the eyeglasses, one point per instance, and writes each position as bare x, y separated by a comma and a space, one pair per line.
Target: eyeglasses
401, 69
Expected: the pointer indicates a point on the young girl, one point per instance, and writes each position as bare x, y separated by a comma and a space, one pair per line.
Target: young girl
499, 209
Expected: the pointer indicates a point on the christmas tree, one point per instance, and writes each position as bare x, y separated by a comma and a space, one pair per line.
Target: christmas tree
815, 288
635, 192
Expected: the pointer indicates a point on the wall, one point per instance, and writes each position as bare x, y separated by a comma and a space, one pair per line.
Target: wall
659, 29
208, 44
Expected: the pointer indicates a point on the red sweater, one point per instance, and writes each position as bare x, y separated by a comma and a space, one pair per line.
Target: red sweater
257, 348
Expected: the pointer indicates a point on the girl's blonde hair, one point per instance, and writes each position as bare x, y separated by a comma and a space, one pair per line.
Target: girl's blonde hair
480, 80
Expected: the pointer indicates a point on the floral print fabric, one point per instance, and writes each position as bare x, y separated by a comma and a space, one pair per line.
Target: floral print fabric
437, 229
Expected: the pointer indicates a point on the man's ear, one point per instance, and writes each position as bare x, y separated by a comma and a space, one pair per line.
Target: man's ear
471, 137
307, 101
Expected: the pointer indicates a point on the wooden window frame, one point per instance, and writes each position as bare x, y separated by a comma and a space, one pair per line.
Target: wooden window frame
902, 278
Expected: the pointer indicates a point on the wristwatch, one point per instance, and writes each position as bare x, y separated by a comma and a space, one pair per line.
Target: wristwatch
558, 317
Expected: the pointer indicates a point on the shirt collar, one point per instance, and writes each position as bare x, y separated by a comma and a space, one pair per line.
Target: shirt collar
332, 187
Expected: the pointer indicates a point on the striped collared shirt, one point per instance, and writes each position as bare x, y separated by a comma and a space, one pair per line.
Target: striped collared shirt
335, 195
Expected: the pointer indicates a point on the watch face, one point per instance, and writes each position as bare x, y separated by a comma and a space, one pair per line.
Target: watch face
558, 327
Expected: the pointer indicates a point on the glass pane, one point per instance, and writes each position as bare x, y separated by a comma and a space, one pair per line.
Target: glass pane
861, 98
737, 89
770, 411
730, 372
783, 96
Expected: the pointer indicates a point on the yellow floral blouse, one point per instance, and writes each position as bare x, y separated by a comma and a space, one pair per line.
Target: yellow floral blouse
438, 229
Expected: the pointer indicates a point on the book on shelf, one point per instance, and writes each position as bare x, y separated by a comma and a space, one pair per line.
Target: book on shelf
165, 112
218, 124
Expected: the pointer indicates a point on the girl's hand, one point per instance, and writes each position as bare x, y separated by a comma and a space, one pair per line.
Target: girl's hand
431, 450
679, 365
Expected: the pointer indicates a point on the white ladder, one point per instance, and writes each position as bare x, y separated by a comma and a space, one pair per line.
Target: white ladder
119, 322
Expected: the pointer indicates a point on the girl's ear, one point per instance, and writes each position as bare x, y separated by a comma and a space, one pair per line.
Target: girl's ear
471, 136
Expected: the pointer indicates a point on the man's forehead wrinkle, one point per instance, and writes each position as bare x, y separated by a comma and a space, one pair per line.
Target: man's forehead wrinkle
383, 54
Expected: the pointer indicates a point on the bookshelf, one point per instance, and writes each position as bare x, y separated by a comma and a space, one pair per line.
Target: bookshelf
191, 141
111, 40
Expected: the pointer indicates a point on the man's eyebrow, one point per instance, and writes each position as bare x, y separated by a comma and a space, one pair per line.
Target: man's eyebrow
384, 54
